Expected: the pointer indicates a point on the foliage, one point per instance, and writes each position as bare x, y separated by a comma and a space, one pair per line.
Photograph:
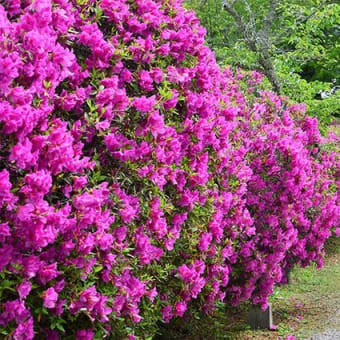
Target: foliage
303, 308
303, 41
139, 180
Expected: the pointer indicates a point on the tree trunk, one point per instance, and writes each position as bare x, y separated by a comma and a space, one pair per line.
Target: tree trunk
268, 70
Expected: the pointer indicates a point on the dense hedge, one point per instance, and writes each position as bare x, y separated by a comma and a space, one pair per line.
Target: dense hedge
139, 181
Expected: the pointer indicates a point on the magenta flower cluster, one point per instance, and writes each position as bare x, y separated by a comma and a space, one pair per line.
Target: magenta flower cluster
138, 178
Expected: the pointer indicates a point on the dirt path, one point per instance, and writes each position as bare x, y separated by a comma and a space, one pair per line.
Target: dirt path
309, 308
328, 299
324, 297
330, 334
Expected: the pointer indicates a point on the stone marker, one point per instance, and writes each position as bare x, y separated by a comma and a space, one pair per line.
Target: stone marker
260, 319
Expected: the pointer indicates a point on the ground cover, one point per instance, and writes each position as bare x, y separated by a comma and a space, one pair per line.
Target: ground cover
309, 305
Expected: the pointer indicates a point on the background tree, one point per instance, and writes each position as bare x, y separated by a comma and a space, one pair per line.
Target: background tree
296, 44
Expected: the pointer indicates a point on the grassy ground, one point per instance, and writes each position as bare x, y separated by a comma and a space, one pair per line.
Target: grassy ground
309, 304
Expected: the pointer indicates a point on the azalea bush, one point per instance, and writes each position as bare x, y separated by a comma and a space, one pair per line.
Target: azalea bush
138, 180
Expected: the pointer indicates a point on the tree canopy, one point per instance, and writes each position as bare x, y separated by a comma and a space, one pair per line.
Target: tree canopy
296, 44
